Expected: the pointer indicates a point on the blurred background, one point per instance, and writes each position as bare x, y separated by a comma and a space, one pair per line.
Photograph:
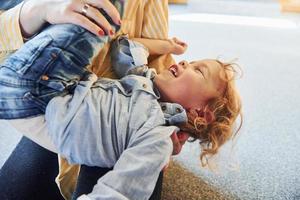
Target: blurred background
264, 160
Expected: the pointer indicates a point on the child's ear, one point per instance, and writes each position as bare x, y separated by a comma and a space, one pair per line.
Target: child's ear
209, 116
206, 113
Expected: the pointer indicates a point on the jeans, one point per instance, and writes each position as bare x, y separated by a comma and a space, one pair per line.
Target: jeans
30, 171
7, 4
49, 65
29, 174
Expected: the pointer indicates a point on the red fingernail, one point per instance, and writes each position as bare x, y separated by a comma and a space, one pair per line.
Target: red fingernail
101, 33
111, 32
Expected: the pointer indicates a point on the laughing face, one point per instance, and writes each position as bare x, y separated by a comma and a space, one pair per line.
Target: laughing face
191, 84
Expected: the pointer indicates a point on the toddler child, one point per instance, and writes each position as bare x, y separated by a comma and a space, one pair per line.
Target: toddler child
124, 123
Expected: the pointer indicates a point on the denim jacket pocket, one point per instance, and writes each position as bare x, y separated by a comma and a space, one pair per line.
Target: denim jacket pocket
25, 57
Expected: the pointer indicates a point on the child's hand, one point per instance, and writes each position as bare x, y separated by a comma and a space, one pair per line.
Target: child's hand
178, 46
178, 140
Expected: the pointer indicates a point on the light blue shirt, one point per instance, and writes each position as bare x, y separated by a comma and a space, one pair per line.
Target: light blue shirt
119, 124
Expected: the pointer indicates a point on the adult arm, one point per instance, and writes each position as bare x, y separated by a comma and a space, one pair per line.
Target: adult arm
36, 13
10, 33
128, 54
26, 20
32, 15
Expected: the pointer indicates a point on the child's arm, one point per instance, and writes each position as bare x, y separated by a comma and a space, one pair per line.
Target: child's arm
156, 46
127, 54
135, 174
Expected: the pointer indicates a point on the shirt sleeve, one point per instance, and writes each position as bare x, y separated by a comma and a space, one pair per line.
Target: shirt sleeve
155, 22
127, 55
10, 33
136, 172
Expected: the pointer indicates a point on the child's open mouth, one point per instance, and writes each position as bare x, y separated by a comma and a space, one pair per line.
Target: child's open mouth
174, 70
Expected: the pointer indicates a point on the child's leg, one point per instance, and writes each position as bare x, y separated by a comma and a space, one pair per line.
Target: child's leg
50, 64
5, 5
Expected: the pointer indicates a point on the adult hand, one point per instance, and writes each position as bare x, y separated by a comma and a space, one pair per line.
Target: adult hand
83, 13
179, 47
178, 140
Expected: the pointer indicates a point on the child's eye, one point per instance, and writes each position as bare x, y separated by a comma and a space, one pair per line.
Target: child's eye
198, 70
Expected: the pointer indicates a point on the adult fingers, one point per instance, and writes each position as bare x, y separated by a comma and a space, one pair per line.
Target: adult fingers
108, 7
81, 20
96, 16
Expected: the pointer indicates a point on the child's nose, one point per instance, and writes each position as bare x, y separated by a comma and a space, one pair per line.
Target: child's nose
184, 64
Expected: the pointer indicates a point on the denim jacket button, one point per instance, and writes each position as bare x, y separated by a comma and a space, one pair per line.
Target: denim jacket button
178, 110
163, 108
144, 86
45, 78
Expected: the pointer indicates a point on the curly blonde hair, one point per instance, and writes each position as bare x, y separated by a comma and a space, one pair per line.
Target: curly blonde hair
221, 111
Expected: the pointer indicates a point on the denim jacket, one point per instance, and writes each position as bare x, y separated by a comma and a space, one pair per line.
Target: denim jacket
119, 124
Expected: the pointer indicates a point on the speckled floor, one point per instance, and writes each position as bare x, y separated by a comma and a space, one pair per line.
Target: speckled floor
181, 184
265, 162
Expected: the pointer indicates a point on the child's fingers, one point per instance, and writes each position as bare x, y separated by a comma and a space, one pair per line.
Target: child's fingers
182, 44
179, 49
165, 167
176, 144
179, 42
182, 137
179, 140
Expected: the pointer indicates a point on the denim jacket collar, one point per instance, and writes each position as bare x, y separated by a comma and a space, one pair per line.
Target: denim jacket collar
174, 113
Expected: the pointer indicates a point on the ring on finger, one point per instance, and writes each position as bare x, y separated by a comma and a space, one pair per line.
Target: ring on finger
85, 9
